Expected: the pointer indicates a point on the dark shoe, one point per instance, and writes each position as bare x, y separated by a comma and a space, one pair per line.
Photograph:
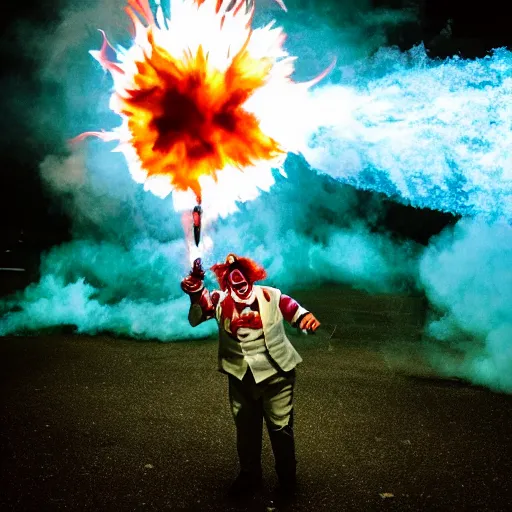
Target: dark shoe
285, 496
245, 484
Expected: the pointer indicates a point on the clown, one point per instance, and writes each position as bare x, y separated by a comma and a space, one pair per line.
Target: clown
258, 358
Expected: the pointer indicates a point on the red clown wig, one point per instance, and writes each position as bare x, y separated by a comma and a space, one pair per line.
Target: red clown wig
251, 270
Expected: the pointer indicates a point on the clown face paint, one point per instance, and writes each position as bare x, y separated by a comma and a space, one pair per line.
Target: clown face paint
241, 289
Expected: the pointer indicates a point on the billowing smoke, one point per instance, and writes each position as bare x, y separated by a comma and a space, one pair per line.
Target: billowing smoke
122, 271
425, 133
430, 133
468, 279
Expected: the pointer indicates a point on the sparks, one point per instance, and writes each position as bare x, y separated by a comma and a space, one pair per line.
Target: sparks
199, 96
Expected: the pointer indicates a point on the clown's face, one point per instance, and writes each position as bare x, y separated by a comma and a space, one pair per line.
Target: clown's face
239, 285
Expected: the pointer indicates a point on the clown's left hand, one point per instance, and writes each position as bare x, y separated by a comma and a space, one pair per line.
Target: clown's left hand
309, 323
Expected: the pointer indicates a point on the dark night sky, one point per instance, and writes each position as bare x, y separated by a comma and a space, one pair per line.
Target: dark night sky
22, 201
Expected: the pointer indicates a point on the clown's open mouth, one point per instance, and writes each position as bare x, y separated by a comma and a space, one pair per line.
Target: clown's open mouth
239, 284
241, 288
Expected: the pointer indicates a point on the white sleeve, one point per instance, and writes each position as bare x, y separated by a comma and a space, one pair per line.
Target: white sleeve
300, 312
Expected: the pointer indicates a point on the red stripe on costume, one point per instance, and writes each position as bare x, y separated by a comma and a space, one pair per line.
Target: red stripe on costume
288, 307
207, 306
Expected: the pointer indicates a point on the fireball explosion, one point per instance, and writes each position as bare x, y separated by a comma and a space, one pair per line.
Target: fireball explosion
200, 95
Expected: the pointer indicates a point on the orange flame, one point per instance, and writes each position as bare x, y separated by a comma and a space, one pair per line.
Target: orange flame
187, 120
184, 117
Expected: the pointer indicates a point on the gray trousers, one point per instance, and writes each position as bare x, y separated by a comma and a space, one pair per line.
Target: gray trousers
271, 399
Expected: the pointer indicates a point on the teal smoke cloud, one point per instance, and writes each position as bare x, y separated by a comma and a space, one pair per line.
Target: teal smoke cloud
423, 132
429, 133
122, 271
467, 277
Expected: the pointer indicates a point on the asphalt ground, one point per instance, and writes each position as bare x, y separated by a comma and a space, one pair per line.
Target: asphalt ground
102, 423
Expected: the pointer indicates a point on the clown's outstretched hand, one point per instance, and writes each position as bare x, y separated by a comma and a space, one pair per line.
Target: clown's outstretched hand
193, 283
309, 323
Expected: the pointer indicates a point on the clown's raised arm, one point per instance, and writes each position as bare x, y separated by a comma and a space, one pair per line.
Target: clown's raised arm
239, 302
202, 307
